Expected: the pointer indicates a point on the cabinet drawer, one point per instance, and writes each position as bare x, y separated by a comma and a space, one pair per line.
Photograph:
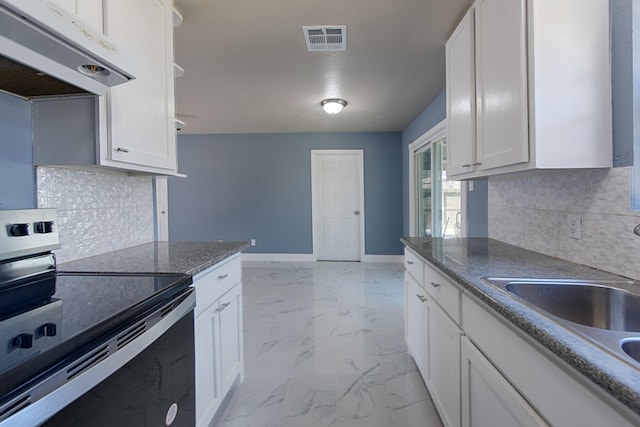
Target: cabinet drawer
212, 283
442, 291
414, 265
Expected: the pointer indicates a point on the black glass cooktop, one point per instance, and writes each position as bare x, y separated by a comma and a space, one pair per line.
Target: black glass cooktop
90, 299
70, 313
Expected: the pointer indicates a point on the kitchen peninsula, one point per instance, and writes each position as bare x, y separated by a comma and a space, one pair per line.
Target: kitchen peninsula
217, 279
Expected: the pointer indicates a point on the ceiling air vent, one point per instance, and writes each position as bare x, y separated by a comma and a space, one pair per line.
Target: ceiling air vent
327, 38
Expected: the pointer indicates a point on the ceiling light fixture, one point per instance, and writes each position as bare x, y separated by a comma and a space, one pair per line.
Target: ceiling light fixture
333, 105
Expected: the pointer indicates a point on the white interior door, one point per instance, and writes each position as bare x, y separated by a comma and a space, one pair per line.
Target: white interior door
338, 201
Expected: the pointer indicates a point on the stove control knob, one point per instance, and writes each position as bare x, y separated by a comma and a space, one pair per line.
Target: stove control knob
22, 341
43, 227
17, 230
48, 330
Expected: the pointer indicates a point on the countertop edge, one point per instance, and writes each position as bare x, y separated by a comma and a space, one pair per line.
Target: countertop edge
216, 260
160, 257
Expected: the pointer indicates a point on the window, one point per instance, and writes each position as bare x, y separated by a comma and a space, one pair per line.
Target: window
435, 202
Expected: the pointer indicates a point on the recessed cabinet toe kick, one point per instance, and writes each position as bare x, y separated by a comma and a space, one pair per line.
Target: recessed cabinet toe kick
482, 370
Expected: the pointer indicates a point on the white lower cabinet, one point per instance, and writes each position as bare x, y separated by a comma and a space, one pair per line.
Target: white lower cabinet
433, 337
444, 364
481, 371
230, 334
545, 382
487, 397
218, 336
416, 319
208, 396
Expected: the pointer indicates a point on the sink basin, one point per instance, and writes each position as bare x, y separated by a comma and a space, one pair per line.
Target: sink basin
632, 348
587, 303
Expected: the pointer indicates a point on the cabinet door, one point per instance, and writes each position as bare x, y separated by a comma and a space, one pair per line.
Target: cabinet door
501, 83
208, 387
461, 111
230, 334
416, 318
89, 11
141, 112
444, 364
487, 398
538, 374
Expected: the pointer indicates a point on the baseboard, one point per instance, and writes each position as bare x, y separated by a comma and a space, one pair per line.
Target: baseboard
312, 258
384, 258
278, 257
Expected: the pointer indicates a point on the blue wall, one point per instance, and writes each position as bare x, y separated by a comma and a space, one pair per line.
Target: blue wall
17, 174
258, 186
622, 86
477, 212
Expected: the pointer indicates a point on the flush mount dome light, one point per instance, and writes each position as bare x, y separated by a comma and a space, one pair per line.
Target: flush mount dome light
333, 105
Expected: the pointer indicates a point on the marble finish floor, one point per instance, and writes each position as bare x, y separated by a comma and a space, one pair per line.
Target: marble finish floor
324, 347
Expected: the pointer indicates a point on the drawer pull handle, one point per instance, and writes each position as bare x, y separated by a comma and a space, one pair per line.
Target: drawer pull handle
466, 166
122, 150
435, 285
223, 276
421, 298
410, 262
223, 306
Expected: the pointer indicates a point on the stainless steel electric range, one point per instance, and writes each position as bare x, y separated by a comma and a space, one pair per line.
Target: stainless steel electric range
89, 349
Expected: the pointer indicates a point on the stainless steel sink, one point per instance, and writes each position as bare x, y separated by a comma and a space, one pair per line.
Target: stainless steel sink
588, 304
631, 347
605, 312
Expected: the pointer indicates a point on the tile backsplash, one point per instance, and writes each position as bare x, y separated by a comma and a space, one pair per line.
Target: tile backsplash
98, 211
532, 212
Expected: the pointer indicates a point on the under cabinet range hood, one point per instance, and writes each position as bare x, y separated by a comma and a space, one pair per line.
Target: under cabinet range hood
40, 35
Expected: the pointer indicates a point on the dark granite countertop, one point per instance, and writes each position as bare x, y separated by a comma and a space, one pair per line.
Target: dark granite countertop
158, 257
468, 261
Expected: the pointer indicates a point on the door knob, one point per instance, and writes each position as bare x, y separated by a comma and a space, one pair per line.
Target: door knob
356, 213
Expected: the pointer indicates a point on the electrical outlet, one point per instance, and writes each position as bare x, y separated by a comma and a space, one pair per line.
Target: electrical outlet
253, 242
574, 229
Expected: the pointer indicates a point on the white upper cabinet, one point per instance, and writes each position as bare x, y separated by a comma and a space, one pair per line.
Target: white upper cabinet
528, 87
88, 11
501, 84
132, 127
461, 109
140, 114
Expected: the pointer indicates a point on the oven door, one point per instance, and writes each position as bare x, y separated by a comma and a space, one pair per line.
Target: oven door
149, 382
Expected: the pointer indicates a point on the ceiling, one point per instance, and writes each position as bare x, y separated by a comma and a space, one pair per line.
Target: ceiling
247, 68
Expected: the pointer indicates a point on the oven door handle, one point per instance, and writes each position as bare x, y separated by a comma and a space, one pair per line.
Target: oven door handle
46, 398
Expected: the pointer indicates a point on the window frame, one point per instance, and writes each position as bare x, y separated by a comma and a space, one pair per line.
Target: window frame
437, 132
